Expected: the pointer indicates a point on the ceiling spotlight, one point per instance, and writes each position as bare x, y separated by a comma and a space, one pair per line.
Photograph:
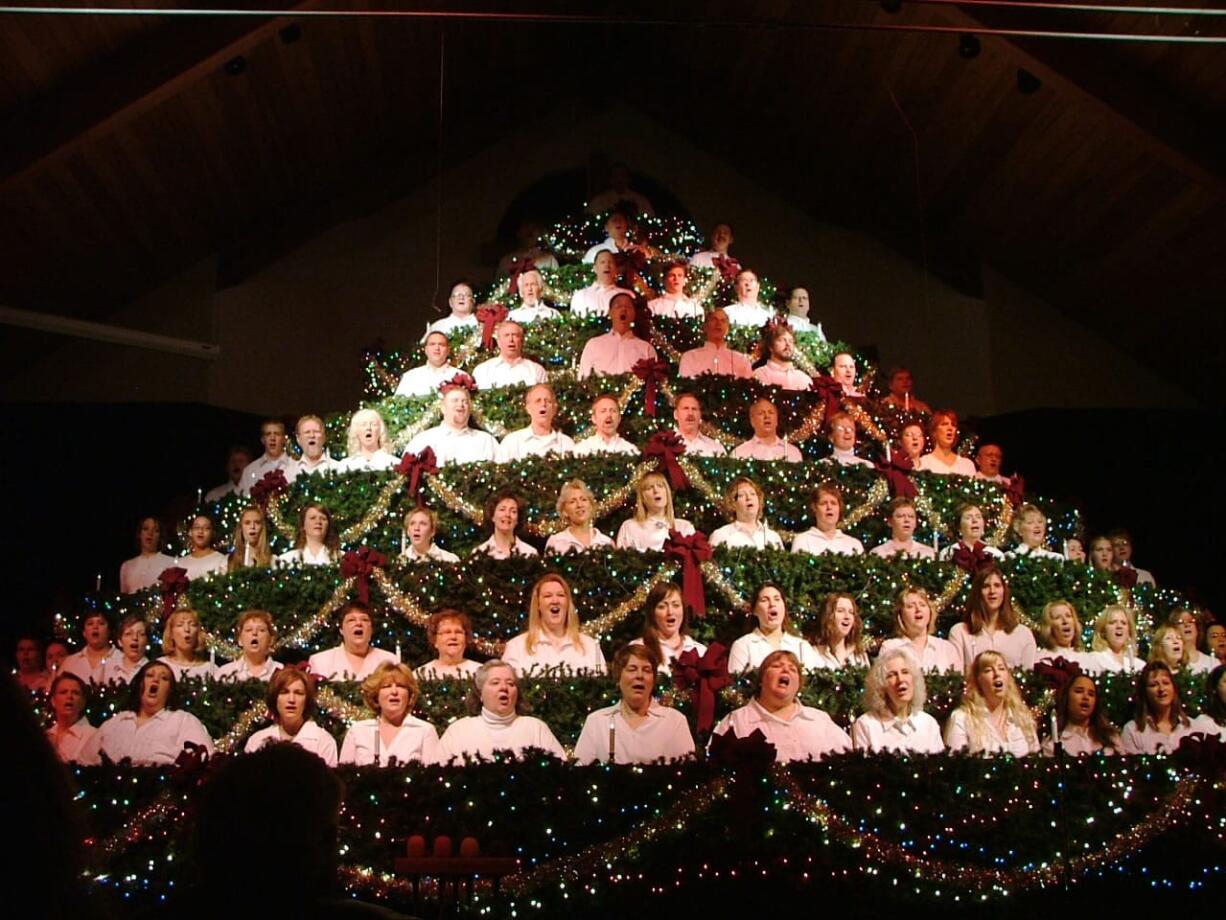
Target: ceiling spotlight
236, 66
291, 33
1027, 83
891, 6
968, 46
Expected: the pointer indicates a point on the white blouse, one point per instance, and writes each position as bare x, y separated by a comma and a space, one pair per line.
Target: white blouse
649, 535
240, 670
750, 650
1076, 743
815, 542
203, 567
491, 549
481, 736
1018, 647
735, 536
962, 466
827, 659
914, 550
564, 542
1149, 740
938, 654
310, 738
1105, 660
159, 740
378, 462
668, 654
103, 673
333, 663
416, 740
201, 670
918, 733
75, 744
1205, 724
1015, 741
552, 652
664, 734
809, 734
434, 554
142, 572
306, 556
436, 670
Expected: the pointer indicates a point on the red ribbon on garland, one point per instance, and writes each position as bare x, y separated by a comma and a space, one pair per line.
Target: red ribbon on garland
831, 392
1057, 672
415, 466
489, 315
359, 564
728, 268
666, 447
273, 483
652, 373
973, 559
752, 751
703, 677
1015, 488
518, 267
1203, 751
895, 473
458, 381
1126, 577
691, 552
172, 583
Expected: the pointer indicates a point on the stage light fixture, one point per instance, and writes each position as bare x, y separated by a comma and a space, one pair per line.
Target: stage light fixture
291, 33
236, 66
968, 46
1027, 83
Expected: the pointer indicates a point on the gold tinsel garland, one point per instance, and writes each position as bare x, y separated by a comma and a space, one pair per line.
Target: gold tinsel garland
338, 707
429, 418
877, 493
284, 527
375, 513
716, 578
409, 609
623, 400
307, 630
607, 621
812, 425
866, 423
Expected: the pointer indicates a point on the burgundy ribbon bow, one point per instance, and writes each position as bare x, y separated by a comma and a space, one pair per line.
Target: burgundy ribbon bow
728, 267
652, 373
632, 260
1204, 751
415, 466
518, 267
192, 759
490, 315
691, 551
703, 676
1015, 488
270, 484
973, 559
1126, 577
359, 564
1057, 672
752, 751
172, 583
895, 473
666, 447
457, 381
831, 392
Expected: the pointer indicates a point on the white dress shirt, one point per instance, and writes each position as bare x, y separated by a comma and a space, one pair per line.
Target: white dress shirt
918, 733
310, 738
334, 664
423, 380
159, 740
650, 534
416, 740
593, 300
800, 324
553, 652
1202, 663
1015, 741
1076, 743
713, 359
809, 734
671, 307
239, 670
748, 314
596, 444
931, 463
1018, 647
938, 654
75, 744
454, 445
305, 467
524, 443
664, 734
306, 556
738, 536
757, 449
104, 672
498, 372
217, 493
539, 311
1149, 740
1205, 724
817, 543
481, 736
1106, 661
449, 324
494, 551
564, 542
142, 572
847, 458
436, 670
947, 554
125, 672
197, 670
787, 376
606, 245
890, 548
1024, 551
750, 650
829, 661
378, 462
214, 563
706, 258
434, 554
612, 353
701, 445
668, 654
257, 469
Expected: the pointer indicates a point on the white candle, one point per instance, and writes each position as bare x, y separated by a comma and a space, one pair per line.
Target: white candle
906, 401
397, 651
887, 451
612, 739
199, 496
98, 582
936, 541
1055, 727
213, 655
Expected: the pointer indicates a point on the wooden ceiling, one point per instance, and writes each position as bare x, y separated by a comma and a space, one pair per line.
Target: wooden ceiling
131, 152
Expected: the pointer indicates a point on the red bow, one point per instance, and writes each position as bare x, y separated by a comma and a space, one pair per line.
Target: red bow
1204, 751
1015, 488
416, 466
172, 583
518, 267
271, 484
360, 564
973, 559
652, 373
458, 381
752, 751
728, 267
831, 392
691, 551
666, 447
703, 677
490, 315
895, 473
1058, 672
1126, 577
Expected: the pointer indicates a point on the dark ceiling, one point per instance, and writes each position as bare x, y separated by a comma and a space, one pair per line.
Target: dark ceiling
131, 152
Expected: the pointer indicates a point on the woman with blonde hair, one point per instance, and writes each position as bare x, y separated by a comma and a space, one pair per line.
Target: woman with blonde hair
840, 637
291, 706
993, 717
394, 735
417, 537
184, 646
1167, 645
1030, 528
745, 507
317, 542
250, 540
576, 503
1114, 646
367, 442
1060, 633
915, 630
553, 639
653, 516
894, 719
